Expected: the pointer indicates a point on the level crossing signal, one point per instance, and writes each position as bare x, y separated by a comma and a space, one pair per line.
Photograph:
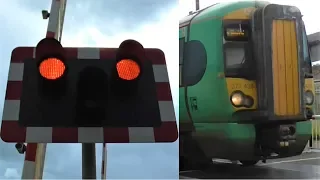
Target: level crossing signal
69, 95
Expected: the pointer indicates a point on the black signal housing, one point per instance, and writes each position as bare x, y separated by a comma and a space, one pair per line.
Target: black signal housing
128, 50
48, 49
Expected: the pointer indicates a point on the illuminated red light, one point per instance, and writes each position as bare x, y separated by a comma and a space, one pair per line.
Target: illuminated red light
52, 68
128, 69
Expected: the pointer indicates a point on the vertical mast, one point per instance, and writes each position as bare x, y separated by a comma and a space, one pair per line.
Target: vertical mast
35, 153
197, 5
104, 162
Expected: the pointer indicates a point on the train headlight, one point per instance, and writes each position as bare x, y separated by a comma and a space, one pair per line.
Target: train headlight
237, 98
309, 97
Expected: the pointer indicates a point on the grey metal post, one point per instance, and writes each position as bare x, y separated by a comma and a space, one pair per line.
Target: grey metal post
89, 161
197, 5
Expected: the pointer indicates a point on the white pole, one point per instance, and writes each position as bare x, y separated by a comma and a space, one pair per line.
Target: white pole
35, 153
104, 162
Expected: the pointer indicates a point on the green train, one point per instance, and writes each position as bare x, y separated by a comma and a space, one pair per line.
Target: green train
246, 87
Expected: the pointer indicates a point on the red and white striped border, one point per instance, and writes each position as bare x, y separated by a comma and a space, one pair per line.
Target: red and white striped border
29, 165
12, 132
55, 23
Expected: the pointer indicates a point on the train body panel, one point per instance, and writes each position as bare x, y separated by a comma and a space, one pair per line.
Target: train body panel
257, 105
212, 87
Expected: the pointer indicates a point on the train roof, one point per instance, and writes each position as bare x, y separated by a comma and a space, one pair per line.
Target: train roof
219, 10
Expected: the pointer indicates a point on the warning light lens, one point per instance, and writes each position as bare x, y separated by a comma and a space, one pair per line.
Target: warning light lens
52, 68
128, 69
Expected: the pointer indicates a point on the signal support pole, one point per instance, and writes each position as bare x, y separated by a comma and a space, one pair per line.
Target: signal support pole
104, 161
35, 153
197, 5
88, 161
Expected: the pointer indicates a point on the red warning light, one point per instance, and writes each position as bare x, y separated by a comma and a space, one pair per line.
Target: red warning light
128, 69
52, 68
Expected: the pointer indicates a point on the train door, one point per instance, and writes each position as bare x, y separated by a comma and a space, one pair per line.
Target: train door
185, 119
193, 62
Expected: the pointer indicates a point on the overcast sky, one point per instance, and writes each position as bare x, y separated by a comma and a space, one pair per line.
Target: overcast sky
92, 23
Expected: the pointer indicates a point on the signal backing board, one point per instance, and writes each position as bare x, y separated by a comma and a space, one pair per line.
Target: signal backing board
11, 131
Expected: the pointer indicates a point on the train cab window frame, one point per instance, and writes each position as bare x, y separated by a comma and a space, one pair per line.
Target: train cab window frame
239, 51
181, 49
307, 63
181, 53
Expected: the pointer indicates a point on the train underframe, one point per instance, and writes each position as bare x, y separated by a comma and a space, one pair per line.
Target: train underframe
247, 143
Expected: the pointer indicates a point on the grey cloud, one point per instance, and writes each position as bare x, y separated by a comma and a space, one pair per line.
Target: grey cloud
9, 154
7, 167
153, 158
109, 15
130, 12
114, 16
20, 24
155, 166
11, 173
64, 161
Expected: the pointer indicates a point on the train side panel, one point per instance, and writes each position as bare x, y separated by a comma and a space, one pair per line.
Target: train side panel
211, 92
184, 118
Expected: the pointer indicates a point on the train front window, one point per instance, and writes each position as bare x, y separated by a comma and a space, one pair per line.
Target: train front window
181, 51
307, 66
181, 48
237, 56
